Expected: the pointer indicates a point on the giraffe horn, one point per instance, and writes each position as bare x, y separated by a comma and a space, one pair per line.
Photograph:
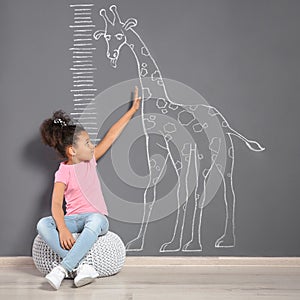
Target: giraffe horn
102, 14
105, 17
113, 9
114, 15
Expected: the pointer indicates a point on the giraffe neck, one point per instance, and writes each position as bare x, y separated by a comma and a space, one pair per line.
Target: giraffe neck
149, 75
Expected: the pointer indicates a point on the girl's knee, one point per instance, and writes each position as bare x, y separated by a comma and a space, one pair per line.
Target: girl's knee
44, 224
98, 223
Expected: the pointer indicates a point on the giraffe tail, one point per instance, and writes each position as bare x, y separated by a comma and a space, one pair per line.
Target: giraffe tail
252, 145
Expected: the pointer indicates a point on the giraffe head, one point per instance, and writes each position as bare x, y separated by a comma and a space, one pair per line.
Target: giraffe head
114, 33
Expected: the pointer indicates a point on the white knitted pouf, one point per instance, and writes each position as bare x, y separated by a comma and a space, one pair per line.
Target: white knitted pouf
107, 255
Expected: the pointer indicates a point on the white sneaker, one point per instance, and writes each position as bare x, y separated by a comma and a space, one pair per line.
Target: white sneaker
85, 274
56, 276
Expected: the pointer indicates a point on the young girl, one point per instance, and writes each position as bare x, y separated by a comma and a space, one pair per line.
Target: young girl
77, 181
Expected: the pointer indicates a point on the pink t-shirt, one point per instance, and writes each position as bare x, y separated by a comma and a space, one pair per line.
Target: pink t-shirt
83, 193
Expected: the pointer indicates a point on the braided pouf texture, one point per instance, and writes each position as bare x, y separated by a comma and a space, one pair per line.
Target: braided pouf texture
107, 255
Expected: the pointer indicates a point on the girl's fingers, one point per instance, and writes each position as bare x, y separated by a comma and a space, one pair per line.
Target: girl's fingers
63, 245
68, 244
66, 247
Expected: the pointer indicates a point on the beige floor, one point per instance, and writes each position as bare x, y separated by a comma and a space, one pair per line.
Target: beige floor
187, 278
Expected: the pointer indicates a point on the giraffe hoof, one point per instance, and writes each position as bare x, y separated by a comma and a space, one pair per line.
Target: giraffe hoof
169, 247
225, 242
136, 244
192, 246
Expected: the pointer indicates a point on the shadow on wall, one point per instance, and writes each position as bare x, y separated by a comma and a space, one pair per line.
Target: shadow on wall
43, 160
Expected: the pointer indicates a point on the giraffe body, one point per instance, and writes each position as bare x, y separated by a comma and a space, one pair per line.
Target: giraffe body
199, 151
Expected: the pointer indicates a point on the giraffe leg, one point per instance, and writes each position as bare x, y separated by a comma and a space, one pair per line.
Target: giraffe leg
182, 191
194, 207
157, 163
228, 238
196, 204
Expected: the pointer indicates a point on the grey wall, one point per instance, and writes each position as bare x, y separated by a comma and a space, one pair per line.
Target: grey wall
242, 56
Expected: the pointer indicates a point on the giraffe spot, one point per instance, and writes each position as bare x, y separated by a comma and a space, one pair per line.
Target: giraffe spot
219, 167
212, 111
215, 144
200, 156
169, 127
205, 172
192, 107
225, 124
185, 117
204, 125
200, 203
145, 51
144, 72
155, 75
173, 106
230, 152
149, 124
155, 180
152, 117
161, 103
178, 165
213, 157
152, 163
168, 137
144, 65
147, 94
197, 127
186, 149
164, 111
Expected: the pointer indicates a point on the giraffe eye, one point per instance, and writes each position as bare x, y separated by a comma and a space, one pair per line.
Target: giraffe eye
119, 36
107, 37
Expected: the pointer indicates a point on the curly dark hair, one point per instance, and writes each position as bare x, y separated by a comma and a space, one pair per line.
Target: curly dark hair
59, 132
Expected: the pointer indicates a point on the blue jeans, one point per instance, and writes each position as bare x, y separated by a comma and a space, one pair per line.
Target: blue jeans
90, 226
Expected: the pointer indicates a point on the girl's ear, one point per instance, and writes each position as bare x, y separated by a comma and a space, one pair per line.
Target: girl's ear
70, 151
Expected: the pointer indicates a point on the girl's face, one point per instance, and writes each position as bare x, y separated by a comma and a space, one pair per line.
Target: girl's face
84, 147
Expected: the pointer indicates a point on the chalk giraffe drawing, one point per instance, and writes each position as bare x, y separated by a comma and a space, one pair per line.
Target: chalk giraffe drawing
199, 155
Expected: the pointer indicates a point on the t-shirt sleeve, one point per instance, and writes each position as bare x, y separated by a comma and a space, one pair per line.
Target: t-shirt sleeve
94, 159
62, 175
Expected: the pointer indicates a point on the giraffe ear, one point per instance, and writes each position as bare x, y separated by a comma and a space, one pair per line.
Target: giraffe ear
131, 22
97, 34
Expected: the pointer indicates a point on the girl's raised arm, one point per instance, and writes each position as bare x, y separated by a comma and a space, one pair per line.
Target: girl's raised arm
117, 128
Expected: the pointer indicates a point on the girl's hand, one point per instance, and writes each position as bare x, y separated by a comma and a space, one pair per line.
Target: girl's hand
136, 100
66, 239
